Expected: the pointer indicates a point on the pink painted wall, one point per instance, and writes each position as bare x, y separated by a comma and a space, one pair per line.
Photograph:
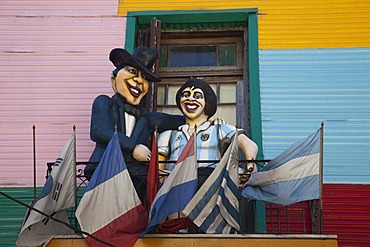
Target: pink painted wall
53, 63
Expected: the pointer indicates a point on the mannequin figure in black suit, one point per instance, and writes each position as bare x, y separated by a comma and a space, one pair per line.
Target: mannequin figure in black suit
121, 112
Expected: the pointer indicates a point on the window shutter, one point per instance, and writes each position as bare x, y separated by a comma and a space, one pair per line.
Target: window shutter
151, 37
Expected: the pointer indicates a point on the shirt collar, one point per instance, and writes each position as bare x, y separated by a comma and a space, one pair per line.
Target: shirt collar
185, 127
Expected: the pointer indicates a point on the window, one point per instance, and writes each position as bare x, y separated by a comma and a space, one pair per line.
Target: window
184, 28
215, 60
245, 75
198, 55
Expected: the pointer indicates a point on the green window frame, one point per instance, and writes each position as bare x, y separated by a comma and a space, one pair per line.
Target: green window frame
217, 18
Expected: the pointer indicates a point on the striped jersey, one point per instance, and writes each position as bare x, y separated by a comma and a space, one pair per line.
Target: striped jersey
212, 141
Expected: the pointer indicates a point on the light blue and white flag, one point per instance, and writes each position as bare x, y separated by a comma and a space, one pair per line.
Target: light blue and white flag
215, 206
291, 177
178, 189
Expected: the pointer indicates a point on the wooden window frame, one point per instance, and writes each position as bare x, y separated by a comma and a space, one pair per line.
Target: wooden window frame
251, 70
230, 74
135, 19
249, 15
217, 70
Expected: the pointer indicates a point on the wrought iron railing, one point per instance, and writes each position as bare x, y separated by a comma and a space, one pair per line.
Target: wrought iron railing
300, 218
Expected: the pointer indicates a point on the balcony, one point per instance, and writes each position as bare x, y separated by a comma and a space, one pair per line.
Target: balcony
256, 217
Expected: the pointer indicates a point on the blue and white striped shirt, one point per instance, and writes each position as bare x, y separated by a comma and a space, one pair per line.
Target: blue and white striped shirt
210, 139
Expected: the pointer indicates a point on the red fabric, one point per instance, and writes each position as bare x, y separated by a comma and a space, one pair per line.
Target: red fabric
153, 173
174, 225
188, 150
122, 231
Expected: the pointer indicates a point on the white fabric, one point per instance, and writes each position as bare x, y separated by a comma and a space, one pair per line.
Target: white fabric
100, 200
294, 169
130, 124
172, 142
206, 209
57, 195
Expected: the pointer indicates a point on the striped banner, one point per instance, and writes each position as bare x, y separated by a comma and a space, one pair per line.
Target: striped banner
215, 207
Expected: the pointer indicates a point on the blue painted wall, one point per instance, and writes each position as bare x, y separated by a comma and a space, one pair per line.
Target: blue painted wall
300, 88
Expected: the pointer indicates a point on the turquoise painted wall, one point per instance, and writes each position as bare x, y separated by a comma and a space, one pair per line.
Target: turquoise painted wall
301, 88
12, 213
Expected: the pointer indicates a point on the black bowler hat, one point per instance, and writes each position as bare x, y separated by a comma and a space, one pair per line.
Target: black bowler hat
143, 58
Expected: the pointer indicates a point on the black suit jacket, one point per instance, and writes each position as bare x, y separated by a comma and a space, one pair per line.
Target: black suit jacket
109, 112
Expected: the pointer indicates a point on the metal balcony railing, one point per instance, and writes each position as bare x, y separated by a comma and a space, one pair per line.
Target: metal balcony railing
300, 218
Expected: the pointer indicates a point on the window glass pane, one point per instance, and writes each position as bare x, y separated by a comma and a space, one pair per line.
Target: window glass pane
214, 87
188, 56
172, 90
227, 93
163, 56
228, 113
227, 55
170, 110
160, 94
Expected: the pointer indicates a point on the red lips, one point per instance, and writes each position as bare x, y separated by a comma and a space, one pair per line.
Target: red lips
191, 106
134, 90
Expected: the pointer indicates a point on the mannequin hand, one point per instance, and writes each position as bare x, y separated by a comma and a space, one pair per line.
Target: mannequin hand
141, 153
218, 121
244, 175
251, 167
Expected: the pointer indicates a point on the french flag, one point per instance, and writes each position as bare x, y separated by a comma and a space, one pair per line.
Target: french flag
178, 189
110, 208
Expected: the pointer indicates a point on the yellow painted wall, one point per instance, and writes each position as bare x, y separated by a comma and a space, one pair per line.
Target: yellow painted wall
286, 24
198, 240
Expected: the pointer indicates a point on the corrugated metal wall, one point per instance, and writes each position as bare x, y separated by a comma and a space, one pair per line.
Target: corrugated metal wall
305, 81
287, 24
347, 213
302, 88
53, 63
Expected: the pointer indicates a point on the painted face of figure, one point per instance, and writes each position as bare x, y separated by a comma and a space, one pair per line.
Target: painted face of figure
131, 84
193, 103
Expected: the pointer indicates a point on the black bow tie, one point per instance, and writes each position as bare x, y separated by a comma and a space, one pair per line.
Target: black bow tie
132, 110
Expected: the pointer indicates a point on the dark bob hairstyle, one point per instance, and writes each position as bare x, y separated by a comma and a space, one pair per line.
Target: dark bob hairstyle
209, 95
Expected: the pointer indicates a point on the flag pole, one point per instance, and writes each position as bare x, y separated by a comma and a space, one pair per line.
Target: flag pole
195, 145
321, 162
153, 171
34, 161
74, 171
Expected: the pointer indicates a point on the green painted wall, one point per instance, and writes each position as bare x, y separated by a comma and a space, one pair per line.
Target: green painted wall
12, 214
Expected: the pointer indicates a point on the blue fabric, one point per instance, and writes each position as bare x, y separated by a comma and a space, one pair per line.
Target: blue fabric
101, 173
171, 143
296, 185
173, 201
177, 190
307, 146
281, 193
215, 207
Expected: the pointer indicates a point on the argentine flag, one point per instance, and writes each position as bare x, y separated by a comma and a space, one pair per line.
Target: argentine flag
291, 177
